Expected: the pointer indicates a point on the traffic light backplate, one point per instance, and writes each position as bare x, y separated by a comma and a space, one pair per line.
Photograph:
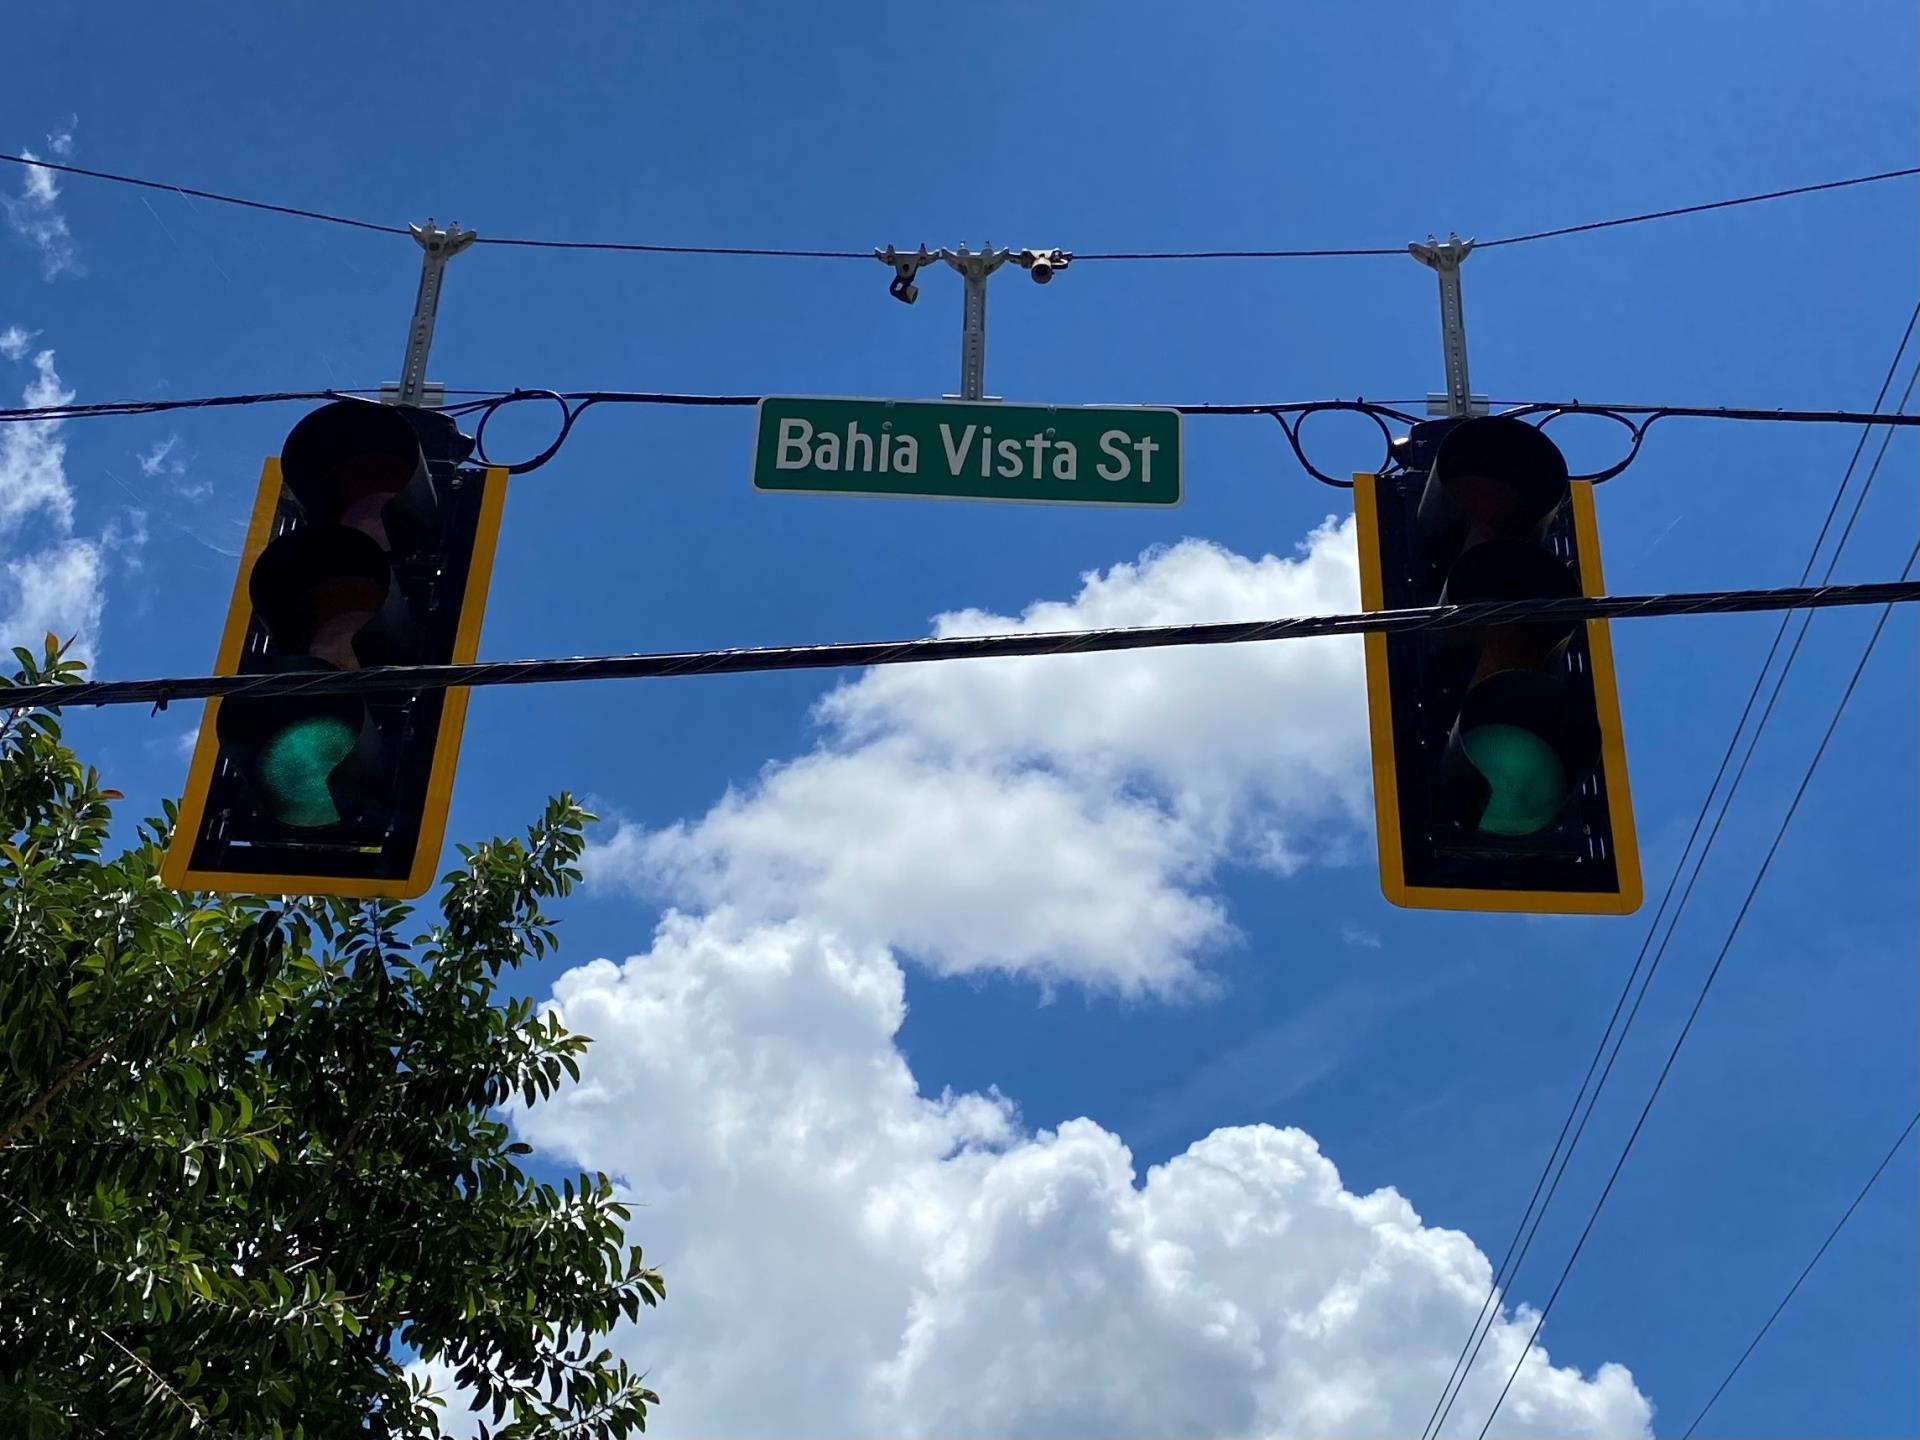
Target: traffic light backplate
1500, 777
344, 565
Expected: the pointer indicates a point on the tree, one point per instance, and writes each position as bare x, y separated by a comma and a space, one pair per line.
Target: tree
250, 1149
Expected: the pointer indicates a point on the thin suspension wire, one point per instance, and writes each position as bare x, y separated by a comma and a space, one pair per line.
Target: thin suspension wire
296, 211
771, 252
403, 678
1733, 930
1524, 1233
1694, 209
1794, 1288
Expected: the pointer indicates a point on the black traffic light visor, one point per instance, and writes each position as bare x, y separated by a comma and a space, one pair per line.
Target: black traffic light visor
329, 591
359, 464
1510, 570
1491, 478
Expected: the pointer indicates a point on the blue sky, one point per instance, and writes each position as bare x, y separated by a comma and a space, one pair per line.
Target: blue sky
1431, 1053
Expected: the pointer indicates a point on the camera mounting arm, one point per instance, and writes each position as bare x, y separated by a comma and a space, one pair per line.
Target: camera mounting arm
974, 267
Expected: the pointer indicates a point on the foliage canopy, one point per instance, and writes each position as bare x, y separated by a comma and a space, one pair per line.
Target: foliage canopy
250, 1150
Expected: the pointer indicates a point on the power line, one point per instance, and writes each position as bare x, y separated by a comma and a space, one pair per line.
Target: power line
1523, 1234
1713, 971
1794, 1288
389, 678
783, 253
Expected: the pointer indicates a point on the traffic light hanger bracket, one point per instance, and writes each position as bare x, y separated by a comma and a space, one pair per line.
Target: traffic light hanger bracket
1444, 260
437, 246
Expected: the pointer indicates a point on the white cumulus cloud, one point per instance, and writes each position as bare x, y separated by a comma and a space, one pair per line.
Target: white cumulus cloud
848, 1257
1062, 817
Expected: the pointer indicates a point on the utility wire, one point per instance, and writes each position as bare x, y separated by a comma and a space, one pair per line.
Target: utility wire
1713, 971
630, 247
1793, 1289
389, 678
1523, 1235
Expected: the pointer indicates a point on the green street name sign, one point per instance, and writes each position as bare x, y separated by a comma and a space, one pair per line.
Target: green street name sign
969, 450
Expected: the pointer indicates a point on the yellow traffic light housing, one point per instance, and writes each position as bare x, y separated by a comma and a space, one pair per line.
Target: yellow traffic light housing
371, 543
1500, 780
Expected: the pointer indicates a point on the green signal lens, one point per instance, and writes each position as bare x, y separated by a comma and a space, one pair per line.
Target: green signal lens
1529, 783
293, 766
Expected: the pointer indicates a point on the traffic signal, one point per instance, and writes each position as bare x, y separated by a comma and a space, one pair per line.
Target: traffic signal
371, 543
1500, 777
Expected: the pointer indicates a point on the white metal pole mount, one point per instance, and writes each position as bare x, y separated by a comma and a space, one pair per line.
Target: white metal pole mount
437, 246
1444, 260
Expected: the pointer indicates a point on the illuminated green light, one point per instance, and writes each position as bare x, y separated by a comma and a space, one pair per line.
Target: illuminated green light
1528, 781
293, 766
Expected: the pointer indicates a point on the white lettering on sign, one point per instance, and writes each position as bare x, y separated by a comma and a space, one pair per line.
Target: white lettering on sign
1117, 465
1012, 459
1144, 448
793, 453
955, 454
800, 447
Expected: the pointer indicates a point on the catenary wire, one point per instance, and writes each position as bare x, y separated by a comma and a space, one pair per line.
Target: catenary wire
1580, 229
1706, 985
1592, 225
771, 252
401, 678
1794, 1288
1550, 1178
296, 211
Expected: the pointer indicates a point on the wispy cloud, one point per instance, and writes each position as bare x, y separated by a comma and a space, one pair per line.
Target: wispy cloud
1364, 939
162, 461
1254, 1080
33, 477
35, 215
14, 342
152, 462
53, 580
